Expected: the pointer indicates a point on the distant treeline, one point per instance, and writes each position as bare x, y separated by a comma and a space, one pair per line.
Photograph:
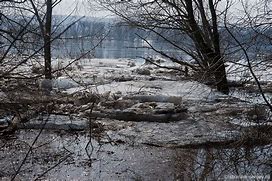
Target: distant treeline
95, 29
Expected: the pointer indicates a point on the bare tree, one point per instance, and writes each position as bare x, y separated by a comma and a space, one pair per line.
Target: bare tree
29, 24
47, 40
195, 24
255, 21
45, 24
15, 30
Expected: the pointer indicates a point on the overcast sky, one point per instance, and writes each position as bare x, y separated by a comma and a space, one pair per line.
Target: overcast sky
79, 7
83, 8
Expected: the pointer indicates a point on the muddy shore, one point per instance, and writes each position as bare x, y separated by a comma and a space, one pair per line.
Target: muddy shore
124, 120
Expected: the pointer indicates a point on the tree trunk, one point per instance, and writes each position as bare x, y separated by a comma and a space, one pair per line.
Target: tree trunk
210, 51
220, 75
47, 41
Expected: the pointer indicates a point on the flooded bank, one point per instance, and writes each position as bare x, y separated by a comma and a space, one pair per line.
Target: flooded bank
64, 156
213, 136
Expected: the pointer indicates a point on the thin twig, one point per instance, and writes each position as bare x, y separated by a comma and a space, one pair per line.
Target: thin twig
30, 150
249, 67
90, 138
51, 168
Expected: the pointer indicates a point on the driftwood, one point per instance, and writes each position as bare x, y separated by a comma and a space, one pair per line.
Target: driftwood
148, 109
156, 98
139, 117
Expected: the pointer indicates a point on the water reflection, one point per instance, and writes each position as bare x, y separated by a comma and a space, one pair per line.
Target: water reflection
127, 161
110, 48
242, 163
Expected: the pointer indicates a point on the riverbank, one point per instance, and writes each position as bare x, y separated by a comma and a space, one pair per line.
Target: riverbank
135, 113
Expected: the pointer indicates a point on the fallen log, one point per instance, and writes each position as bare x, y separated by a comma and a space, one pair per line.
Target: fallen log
141, 117
176, 100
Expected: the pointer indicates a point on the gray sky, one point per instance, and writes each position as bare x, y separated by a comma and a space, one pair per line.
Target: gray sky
83, 8
78, 7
